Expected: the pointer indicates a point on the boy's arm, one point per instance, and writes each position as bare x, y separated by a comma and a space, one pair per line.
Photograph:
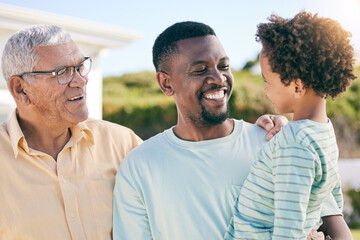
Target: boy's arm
336, 227
130, 219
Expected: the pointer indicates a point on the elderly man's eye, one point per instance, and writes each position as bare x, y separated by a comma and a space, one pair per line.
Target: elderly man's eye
61, 71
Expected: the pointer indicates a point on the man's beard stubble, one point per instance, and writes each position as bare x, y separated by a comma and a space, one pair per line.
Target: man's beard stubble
214, 119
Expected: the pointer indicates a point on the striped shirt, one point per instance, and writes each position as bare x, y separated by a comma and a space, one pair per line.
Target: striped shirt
282, 195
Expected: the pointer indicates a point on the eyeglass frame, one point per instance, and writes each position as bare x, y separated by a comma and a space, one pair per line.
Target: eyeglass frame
55, 72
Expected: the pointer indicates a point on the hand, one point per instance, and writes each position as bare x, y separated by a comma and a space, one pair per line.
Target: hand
271, 123
314, 235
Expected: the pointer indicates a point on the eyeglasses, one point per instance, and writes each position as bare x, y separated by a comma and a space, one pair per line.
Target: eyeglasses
66, 74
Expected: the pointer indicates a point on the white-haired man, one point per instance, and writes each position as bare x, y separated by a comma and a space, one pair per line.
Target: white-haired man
57, 167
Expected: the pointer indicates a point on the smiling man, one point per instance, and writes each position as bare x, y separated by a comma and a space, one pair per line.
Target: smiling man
57, 167
182, 183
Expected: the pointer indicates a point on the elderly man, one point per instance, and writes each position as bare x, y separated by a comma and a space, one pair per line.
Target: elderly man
57, 167
182, 183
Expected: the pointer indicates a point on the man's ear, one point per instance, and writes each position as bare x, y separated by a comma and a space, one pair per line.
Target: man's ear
164, 82
16, 87
299, 88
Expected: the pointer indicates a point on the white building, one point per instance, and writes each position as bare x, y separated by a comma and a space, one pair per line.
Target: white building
94, 40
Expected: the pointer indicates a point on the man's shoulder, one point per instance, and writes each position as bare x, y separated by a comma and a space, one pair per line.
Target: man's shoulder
149, 150
3, 128
153, 144
102, 130
247, 125
4, 134
104, 126
250, 129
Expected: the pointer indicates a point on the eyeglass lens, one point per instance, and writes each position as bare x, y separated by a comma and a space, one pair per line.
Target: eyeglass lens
67, 74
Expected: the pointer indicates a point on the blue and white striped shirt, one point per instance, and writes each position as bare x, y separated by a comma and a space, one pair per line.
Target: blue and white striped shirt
282, 195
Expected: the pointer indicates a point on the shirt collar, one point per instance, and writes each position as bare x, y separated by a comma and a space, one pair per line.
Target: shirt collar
80, 131
18, 140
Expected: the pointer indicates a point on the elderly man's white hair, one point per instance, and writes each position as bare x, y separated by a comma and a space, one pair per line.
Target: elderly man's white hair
19, 55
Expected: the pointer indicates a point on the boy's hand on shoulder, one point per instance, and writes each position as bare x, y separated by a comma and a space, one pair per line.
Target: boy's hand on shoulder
314, 235
271, 123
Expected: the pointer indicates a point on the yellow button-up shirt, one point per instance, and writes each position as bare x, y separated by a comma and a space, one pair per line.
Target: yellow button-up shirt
68, 199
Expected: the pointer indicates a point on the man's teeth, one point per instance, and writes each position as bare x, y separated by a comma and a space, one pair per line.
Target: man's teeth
75, 98
215, 95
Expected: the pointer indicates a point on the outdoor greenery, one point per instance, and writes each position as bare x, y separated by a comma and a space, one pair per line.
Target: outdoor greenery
355, 233
354, 217
136, 101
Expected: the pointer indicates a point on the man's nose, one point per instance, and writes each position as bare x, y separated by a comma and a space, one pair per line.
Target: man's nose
216, 77
78, 81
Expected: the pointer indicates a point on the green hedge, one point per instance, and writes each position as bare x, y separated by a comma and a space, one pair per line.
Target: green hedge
354, 218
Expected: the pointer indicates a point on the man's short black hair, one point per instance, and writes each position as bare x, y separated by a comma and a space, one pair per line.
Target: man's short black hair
165, 45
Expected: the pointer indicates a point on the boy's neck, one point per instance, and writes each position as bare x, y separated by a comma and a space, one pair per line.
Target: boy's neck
311, 107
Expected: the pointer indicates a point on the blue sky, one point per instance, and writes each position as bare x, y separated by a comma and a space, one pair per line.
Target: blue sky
234, 21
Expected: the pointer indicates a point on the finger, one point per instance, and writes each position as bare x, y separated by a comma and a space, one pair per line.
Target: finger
265, 121
272, 133
279, 122
269, 136
314, 235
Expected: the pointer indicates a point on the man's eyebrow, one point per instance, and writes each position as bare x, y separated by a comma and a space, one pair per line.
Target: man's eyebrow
225, 58
65, 65
198, 62
203, 62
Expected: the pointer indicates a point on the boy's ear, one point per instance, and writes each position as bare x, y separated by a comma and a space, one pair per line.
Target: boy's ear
164, 81
299, 87
17, 89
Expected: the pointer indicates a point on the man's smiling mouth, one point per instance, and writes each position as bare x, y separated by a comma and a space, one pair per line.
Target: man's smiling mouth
216, 94
76, 98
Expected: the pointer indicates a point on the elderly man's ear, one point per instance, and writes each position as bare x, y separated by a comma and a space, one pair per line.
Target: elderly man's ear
164, 82
16, 87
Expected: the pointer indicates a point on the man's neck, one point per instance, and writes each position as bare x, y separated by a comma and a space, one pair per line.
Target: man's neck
199, 132
43, 138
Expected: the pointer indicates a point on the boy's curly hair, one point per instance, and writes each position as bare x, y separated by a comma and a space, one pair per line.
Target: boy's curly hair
316, 50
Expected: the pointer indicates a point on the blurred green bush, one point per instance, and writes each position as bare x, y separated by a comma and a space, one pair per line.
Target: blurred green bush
136, 101
353, 218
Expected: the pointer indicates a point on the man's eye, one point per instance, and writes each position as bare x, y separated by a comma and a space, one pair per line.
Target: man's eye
200, 70
81, 66
61, 71
224, 67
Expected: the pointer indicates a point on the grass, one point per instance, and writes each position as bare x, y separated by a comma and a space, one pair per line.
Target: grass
356, 233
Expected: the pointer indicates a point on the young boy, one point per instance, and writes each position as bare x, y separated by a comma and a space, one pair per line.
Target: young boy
303, 61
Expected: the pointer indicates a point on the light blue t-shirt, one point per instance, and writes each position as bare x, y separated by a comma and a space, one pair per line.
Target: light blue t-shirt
168, 188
